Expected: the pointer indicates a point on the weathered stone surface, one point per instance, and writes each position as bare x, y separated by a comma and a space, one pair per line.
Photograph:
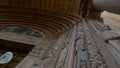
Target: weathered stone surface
61, 61
106, 27
82, 59
80, 44
69, 62
109, 35
114, 48
27, 62
115, 44
31, 58
82, 56
95, 58
102, 47
36, 51
51, 55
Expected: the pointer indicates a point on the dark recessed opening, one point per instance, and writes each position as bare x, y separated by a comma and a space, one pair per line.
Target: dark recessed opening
20, 50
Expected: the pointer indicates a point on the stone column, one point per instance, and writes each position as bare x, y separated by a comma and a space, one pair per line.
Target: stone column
108, 5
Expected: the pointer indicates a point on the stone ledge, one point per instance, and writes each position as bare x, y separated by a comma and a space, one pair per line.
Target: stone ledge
18, 38
110, 35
